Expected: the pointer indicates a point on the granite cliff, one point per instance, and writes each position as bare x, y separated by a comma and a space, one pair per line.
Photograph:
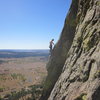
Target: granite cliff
74, 66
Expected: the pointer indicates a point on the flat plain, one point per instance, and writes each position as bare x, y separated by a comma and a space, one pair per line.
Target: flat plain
21, 72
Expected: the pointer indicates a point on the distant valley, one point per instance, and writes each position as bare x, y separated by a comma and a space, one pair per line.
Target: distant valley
21, 69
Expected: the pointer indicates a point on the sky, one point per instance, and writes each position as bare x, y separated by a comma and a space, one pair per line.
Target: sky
31, 24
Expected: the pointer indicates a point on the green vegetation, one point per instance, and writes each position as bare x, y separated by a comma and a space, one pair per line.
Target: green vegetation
97, 74
90, 40
1, 89
14, 76
98, 3
18, 76
34, 90
1, 98
2, 77
17, 95
47, 85
88, 44
2, 61
82, 97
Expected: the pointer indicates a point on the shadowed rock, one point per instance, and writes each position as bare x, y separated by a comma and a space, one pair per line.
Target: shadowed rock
74, 66
60, 50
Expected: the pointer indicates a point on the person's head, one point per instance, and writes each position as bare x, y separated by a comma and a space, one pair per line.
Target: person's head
52, 39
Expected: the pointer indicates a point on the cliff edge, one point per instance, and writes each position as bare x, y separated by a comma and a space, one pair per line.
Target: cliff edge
74, 66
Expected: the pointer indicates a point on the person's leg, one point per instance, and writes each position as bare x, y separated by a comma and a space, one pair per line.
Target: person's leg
50, 50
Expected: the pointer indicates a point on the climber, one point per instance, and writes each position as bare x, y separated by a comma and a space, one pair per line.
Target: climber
51, 45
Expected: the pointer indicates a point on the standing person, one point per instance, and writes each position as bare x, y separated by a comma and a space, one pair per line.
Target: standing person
51, 45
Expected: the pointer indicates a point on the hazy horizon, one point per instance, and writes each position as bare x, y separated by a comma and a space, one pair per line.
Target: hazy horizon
24, 49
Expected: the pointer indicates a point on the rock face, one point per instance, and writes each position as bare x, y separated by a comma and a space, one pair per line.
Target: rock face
60, 51
75, 62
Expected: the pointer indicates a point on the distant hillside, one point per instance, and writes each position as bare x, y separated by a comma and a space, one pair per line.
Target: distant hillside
23, 53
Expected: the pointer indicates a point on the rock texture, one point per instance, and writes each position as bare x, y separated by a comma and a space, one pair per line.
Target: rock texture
60, 51
76, 57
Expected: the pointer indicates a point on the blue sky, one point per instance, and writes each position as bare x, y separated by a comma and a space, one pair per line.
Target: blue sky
31, 24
